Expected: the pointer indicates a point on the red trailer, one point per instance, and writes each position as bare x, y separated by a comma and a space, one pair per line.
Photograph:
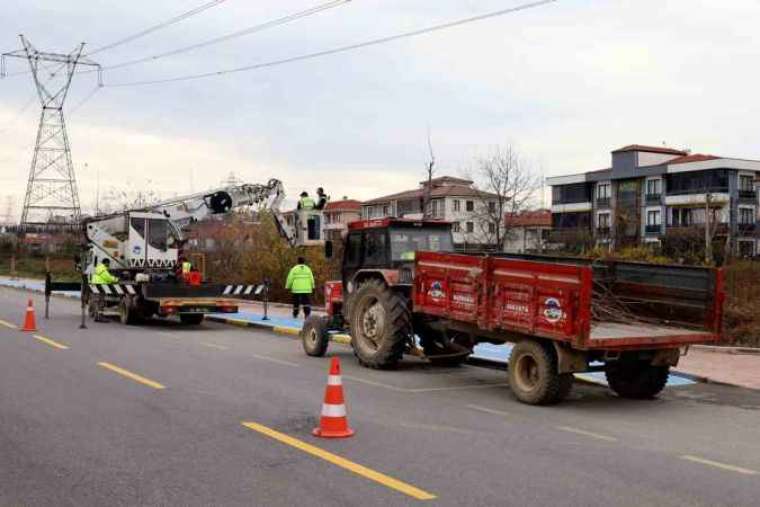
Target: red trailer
631, 320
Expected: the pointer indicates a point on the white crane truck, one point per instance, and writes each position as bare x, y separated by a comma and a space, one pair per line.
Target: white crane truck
144, 247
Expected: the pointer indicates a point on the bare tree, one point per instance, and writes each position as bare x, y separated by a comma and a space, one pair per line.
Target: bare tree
506, 184
128, 198
427, 202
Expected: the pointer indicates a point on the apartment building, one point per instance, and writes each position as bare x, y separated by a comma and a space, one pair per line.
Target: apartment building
452, 199
650, 192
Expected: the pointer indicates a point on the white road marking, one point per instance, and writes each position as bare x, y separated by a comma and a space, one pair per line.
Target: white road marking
276, 361
213, 346
591, 434
435, 427
716, 464
421, 389
488, 410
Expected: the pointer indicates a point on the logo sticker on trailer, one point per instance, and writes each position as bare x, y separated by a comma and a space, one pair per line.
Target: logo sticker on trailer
552, 310
436, 290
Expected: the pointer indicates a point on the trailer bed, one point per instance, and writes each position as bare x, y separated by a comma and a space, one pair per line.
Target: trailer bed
599, 305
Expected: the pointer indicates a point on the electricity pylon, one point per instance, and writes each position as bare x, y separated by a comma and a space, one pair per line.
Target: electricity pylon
52, 199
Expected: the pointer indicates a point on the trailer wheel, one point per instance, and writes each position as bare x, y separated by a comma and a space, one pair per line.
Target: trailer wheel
314, 336
380, 325
637, 380
533, 375
191, 319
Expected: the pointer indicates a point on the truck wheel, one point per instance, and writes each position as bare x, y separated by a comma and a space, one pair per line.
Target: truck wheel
126, 312
191, 319
380, 325
637, 380
533, 375
314, 336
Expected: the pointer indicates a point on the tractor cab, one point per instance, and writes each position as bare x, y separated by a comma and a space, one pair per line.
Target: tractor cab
385, 248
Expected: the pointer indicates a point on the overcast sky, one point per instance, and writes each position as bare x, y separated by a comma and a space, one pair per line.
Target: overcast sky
564, 83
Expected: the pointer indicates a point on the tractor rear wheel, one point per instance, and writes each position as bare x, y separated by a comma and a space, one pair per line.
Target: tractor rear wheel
380, 324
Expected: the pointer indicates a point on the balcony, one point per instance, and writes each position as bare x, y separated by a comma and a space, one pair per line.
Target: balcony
602, 202
695, 230
653, 229
748, 229
653, 198
570, 235
747, 195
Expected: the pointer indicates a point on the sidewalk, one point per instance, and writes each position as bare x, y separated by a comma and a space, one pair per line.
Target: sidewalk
735, 369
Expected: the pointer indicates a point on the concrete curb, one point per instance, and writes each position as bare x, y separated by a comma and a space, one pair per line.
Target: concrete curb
727, 350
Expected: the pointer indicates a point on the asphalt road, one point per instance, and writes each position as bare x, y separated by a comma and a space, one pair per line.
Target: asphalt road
153, 415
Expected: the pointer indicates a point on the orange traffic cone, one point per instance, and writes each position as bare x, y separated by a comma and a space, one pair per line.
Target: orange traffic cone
334, 423
30, 323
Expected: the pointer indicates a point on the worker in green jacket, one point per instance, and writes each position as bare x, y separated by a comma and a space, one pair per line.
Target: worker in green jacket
305, 202
300, 283
102, 275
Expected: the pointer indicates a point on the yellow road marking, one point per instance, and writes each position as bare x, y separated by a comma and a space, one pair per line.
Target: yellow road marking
356, 468
587, 433
488, 410
133, 376
277, 361
213, 346
50, 342
8, 325
716, 464
286, 330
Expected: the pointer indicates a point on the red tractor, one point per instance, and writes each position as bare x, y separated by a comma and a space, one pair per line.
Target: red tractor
372, 301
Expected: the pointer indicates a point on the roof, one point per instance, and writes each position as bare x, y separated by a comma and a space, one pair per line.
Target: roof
444, 180
651, 149
697, 157
344, 205
453, 190
538, 218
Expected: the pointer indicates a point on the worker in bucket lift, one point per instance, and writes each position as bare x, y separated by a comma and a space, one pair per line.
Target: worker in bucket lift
322, 199
306, 202
300, 283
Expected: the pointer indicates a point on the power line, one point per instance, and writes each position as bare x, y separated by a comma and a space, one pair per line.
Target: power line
164, 24
246, 31
342, 49
84, 100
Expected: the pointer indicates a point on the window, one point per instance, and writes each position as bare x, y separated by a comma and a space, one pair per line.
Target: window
470, 205
138, 224
746, 215
374, 248
604, 220
568, 194
491, 228
470, 226
492, 207
603, 191
457, 205
654, 187
386, 210
653, 217
354, 249
456, 227
714, 180
406, 241
158, 233
745, 183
